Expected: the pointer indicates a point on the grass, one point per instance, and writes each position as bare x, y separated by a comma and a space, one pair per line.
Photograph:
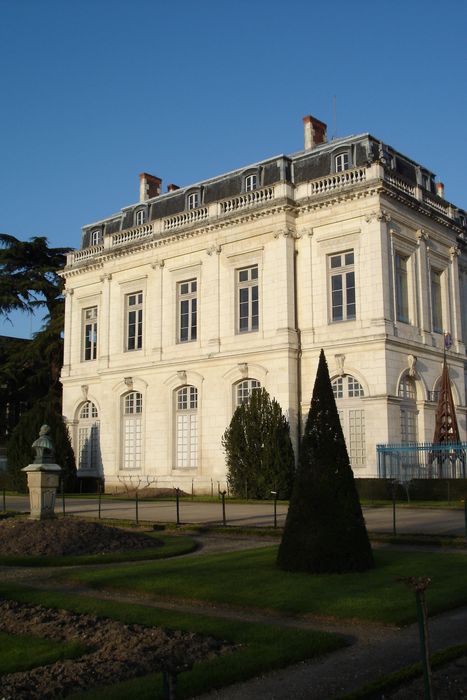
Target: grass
261, 648
23, 652
251, 579
377, 688
171, 547
381, 503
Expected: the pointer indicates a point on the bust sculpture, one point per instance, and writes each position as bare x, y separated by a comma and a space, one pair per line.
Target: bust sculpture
43, 447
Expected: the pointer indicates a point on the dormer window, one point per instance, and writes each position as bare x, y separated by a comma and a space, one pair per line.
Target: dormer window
96, 236
251, 182
193, 200
342, 162
140, 217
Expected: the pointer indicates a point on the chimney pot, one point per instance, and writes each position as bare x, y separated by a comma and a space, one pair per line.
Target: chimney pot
314, 132
440, 189
172, 187
149, 186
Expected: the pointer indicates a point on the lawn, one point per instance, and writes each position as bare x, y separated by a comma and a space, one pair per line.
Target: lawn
23, 652
172, 546
251, 579
261, 647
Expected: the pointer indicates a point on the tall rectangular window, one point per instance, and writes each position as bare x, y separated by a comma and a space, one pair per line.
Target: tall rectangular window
89, 326
402, 290
342, 283
248, 299
134, 327
187, 311
436, 304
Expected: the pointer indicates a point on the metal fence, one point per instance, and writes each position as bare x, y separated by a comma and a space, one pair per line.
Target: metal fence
422, 460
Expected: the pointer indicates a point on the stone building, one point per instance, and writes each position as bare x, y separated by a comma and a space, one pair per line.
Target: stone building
178, 306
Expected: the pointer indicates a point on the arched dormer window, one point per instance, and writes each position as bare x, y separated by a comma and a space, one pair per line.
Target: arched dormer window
342, 160
140, 217
348, 393
251, 180
96, 236
186, 427
193, 199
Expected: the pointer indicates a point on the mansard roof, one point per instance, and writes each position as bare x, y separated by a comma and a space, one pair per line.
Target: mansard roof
303, 166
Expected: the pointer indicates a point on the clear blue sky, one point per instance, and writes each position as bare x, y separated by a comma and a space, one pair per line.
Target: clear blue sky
96, 91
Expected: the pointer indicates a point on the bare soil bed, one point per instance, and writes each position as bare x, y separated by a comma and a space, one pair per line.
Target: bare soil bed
117, 651
64, 536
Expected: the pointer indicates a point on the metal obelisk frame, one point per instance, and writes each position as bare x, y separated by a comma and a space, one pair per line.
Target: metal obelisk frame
446, 428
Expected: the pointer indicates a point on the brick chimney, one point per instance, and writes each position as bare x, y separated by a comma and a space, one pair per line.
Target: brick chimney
440, 189
172, 187
315, 132
149, 186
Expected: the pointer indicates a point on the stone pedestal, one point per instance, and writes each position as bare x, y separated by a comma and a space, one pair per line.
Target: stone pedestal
43, 481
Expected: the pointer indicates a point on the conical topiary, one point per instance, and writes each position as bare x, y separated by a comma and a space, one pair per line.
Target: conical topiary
325, 531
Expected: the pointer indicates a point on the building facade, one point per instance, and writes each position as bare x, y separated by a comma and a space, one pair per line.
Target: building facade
178, 307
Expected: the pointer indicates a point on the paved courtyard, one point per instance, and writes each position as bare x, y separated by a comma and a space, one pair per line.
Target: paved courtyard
378, 519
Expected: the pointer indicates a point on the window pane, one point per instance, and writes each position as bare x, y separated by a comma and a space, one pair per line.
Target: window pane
335, 261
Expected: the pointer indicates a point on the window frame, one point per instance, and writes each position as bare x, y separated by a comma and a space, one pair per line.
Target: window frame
190, 298
342, 161
140, 217
88, 438
245, 386
193, 200
247, 294
407, 392
95, 237
251, 182
401, 286
131, 419
436, 298
346, 273
186, 427
348, 393
89, 348
137, 309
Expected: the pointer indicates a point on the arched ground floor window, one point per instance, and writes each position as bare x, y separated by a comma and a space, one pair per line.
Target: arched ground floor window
348, 393
186, 428
132, 430
88, 456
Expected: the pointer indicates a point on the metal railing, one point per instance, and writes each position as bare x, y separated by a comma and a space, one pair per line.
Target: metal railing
422, 460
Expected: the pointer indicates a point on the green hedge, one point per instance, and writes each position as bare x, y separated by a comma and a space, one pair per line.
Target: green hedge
419, 489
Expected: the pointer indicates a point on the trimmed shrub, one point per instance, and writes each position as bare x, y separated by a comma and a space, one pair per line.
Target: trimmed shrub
324, 531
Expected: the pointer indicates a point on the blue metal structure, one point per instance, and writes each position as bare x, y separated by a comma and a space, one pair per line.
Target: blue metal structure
422, 460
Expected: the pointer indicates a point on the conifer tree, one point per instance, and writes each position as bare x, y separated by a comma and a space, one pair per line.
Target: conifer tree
324, 531
258, 449
46, 411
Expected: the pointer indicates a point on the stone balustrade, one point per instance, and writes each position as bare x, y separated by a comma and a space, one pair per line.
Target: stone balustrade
247, 200
187, 218
337, 181
132, 234
314, 188
401, 184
